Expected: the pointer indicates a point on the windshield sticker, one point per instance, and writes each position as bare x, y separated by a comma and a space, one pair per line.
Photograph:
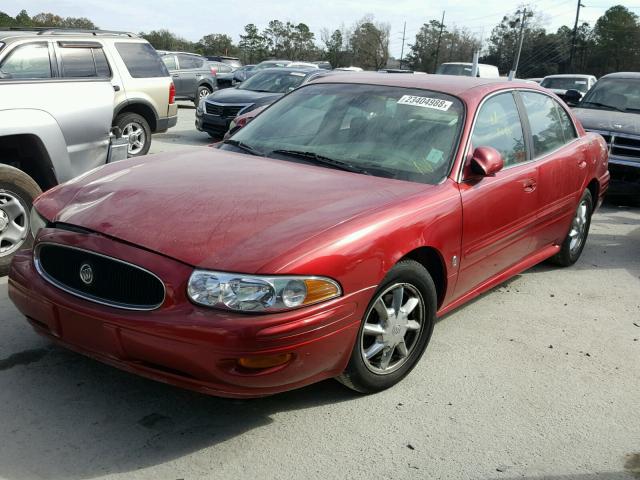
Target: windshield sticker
297, 74
425, 102
581, 82
435, 156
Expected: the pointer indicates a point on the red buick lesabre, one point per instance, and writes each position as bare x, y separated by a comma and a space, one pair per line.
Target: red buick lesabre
322, 240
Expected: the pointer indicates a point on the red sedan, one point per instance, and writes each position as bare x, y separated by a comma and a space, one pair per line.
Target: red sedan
322, 240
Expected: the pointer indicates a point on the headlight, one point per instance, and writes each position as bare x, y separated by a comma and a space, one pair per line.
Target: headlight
36, 222
256, 293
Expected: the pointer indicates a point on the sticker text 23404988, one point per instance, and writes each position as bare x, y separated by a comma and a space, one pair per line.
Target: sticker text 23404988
425, 102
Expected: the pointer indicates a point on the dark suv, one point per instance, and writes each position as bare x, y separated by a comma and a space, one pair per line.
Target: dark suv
192, 75
612, 109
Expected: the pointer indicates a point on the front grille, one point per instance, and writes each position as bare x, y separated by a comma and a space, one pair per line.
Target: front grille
226, 111
113, 282
622, 145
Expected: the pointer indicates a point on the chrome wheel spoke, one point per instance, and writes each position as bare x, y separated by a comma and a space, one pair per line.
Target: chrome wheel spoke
396, 303
374, 350
13, 208
411, 304
381, 310
385, 359
402, 349
412, 325
373, 329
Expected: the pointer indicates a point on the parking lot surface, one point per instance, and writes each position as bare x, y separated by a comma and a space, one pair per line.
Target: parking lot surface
184, 135
536, 379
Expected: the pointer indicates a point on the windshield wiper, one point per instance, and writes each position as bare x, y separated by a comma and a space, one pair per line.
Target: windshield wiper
243, 146
321, 160
603, 105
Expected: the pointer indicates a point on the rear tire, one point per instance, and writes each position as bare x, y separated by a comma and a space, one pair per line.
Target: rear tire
17, 192
139, 133
574, 243
395, 330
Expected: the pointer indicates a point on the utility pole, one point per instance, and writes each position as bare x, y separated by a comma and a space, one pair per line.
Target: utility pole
404, 31
439, 39
513, 71
575, 34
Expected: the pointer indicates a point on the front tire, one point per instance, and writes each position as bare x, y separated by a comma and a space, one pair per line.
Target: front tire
137, 129
574, 243
203, 92
395, 331
17, 192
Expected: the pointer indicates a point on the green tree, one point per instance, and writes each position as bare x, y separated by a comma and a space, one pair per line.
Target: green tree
254, 46
216, 44
617, 37
370, 44
165, 40
333, 44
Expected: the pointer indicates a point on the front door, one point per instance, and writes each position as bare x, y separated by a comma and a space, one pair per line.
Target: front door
499, 212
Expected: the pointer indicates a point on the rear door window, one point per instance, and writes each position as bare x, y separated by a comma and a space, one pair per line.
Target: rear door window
84, 62
546, 127
189, 62
27, 62
141, 60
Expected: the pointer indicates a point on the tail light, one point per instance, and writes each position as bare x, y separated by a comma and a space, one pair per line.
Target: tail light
172, 94
241, 122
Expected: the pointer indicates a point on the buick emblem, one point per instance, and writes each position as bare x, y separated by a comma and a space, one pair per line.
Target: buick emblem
86, 274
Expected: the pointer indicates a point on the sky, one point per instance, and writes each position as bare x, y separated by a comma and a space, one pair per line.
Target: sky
192, 19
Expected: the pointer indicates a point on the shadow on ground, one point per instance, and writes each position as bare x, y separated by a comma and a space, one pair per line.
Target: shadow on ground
75, 418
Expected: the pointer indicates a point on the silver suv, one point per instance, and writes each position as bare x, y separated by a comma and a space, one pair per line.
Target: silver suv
144, 101
60, 95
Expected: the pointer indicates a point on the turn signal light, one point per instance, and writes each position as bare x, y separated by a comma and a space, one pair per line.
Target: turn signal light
265, 361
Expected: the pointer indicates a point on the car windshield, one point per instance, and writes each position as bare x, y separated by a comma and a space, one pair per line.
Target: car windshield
273, 81
453, 69
566, 83
614, 94
392, 132
263, 65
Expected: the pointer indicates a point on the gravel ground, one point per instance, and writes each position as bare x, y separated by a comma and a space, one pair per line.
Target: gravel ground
539, 378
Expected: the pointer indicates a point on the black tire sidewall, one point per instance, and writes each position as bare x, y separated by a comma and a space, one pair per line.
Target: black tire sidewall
23, 187
126, 118
565, 257
200, 88
359, 376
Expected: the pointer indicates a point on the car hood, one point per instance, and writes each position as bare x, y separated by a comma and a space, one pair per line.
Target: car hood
237, 96
217, 209
608, 120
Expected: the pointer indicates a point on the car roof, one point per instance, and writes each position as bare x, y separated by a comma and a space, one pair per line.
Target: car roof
569, 75
172, 52
291, 69
622, 75
457, 85
9, 33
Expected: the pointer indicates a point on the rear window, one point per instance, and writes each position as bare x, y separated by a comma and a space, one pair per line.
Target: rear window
141, 60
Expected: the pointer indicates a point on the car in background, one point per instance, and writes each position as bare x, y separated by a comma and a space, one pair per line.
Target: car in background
534, 79
465, 69
144, 91
267, 64
224, 73
560, 84
349, 69
193, 77
323, 240
612, 109
233, 61
303, 65
215, 113
242, 73
323, 64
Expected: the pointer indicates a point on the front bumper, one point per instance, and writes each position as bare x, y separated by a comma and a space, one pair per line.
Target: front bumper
625, 177
183, 344
212, 124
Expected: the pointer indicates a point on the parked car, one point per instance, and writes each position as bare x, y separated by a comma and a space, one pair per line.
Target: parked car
612, 109
323, 64
349, 69
224, 74
267, 64
560, 84
54, 124
192, 75
535, 79
465, 69
303, 65
323, 240
241, 74
234, 62
144, 93
242, 119
214, 113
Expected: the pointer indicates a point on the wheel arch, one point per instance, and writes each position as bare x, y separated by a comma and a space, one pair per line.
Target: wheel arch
594, 187
431, 259
27, 153
142, 108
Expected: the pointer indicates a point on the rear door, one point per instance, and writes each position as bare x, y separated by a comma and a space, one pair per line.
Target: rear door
562, 161
499, 212
172, 65
191, 71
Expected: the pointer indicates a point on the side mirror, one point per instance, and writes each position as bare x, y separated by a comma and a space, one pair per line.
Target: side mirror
486, 161
572, 97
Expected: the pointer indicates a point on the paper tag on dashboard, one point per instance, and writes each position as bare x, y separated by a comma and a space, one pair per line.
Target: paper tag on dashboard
425, 102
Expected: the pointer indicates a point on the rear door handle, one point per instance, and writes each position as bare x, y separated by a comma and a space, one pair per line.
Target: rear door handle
529, 185
175, 75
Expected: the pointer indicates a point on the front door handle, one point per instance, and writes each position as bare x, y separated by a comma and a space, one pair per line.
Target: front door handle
529, 185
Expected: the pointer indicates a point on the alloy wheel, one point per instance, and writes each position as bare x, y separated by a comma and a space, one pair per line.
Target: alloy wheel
392, 328
14, 223
578, 230
203, 93
137, 137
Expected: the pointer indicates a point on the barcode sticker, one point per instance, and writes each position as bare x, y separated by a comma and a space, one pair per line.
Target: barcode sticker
425, 102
